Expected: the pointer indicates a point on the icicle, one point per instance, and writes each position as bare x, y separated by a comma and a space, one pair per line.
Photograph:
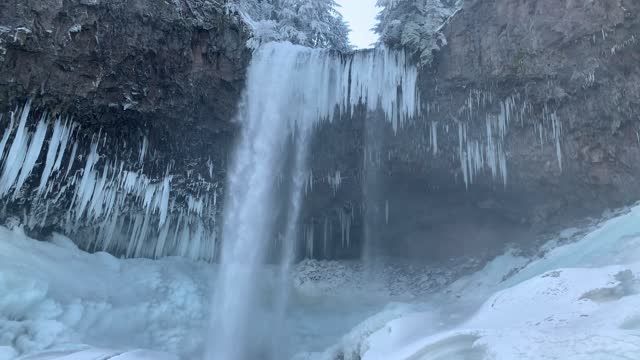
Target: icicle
84, 190
195, 206
17, 152
386, 212
72, 158
334, 181
164, 203
557, 133
502, 120
54, 143
309, 240
67, 129
343, 227
462, 154
5, 137
96, 204
210, 167
325, 237
143, 150
35, 146
434, 137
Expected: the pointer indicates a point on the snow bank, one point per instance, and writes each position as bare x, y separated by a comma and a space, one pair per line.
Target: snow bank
57, 301
579, 301
54, 294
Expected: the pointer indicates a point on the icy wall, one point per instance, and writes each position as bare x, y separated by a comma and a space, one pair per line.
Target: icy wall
528, 119
112, 205
435, 162
556, 85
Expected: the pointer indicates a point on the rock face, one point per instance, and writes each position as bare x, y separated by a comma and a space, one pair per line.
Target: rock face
158, 80
529, 123
568, 69
537, 100
146, 65
175, 60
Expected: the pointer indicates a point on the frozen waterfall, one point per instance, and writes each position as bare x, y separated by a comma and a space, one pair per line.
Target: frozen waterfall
289, 90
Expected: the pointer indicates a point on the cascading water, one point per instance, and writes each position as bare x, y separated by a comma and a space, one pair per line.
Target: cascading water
289, 90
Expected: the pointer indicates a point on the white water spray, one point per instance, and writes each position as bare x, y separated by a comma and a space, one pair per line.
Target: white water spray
289, 89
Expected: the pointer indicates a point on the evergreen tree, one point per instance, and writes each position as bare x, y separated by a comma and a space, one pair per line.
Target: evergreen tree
415, 24
313, 23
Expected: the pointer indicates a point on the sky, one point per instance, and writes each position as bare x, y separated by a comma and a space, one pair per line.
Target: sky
360, 14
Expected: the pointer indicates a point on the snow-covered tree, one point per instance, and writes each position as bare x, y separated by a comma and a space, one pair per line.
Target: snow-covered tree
415, 24
313, 23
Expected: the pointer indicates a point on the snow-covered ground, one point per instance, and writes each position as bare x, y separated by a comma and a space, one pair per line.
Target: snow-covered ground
56, 301
580, 301
54, 296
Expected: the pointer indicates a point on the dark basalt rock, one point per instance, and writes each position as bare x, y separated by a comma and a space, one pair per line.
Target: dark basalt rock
574, 61
173, 71
170, 72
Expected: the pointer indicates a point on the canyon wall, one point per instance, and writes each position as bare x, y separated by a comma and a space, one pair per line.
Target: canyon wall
529, 124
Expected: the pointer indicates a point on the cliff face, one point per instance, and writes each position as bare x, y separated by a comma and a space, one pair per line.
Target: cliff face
566, 73
146, 65
156, 60
153, 84
530, 123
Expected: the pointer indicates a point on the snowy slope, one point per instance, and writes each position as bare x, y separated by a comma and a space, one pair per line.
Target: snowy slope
563, 314
54, 295
540, 309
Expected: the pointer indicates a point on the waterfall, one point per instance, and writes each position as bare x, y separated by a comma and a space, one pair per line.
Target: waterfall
289, 90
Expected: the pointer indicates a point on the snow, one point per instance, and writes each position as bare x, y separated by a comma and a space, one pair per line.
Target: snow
60, 302
416, 24
570, 314
55, 295
579, 301
312, 23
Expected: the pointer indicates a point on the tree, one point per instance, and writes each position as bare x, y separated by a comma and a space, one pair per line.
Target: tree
415, 24
312, 23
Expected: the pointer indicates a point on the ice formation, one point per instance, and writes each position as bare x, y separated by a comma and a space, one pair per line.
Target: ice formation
125, 211
17, 152
485, 150
45, 159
